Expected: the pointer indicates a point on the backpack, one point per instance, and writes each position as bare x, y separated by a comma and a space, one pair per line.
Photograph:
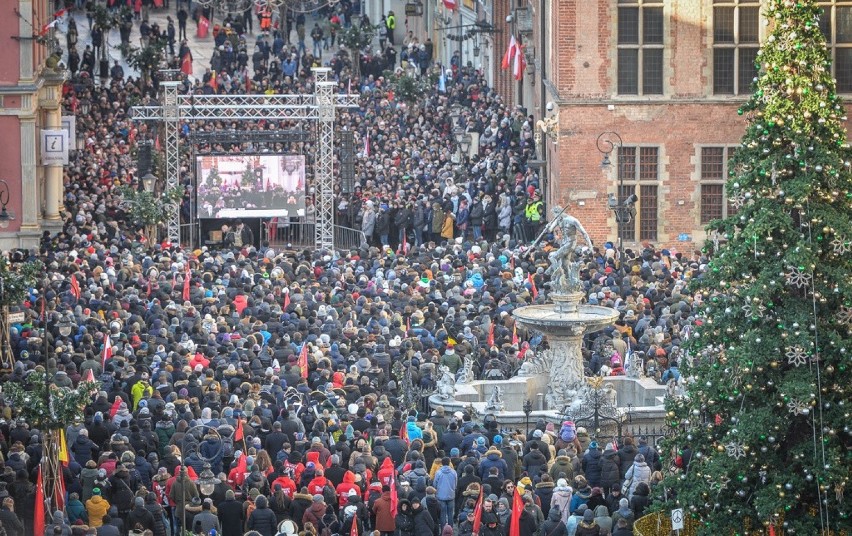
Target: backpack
568, 433
227, 446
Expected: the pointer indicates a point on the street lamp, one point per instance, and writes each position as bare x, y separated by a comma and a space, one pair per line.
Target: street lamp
65, 325
207, 481
149, 182
6, 215
527, 411
625, 210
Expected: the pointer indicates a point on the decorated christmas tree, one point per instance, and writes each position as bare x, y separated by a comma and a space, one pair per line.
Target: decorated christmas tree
762, 433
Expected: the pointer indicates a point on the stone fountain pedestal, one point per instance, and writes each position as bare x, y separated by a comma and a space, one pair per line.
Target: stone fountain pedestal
564, 322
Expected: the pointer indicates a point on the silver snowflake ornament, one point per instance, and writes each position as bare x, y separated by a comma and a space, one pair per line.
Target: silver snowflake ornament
735, 450
754, 309
796, 356
844, 315
720, 484
798, 278
798, 407
737, 201
840, 245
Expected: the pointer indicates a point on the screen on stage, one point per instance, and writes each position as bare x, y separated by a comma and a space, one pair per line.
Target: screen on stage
251, 186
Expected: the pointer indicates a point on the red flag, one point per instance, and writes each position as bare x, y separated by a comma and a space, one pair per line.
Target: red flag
59, 491
512, 262
403, 433
519, 64
38, 518
771, 529
214, 83
303, 360
394, 495
510, 53
238, 433
90, 376
186, 279
534, 289
75, 287
107, 354
149, 287
203, 27
354, 530
186, 64
407, 325
515, 335
286, 300
451, 4
367, 145
477, 513
490, 340
115, 406
523, 350
517, 509
157, 144
248, 84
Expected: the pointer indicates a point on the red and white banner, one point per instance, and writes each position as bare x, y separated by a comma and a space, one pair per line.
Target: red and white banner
510, 53
451, 4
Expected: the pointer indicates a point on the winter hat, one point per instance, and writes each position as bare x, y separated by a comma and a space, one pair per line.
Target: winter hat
498, 439
588, 516
561, 483
317, 498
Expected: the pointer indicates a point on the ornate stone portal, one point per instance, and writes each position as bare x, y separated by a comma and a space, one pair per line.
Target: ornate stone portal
565, 321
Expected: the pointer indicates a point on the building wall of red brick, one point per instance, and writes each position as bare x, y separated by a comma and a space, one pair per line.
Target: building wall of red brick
583, 74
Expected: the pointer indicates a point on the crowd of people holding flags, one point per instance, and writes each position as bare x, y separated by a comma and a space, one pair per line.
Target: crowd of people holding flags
243, 388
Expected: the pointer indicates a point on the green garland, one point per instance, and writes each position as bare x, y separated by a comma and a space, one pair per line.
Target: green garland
43, 405
18, 280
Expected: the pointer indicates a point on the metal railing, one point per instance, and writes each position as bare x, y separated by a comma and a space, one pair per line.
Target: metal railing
300, 235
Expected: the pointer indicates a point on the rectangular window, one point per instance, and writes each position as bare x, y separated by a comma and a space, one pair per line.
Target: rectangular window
836, 26
714, 172
736, 37
639, 174
641, 36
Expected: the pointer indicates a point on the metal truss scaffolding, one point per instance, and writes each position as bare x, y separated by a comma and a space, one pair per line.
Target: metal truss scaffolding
319, 106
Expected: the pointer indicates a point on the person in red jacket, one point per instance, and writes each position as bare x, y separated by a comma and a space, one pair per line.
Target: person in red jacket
345, 487
318, 484
286, 483
386, 471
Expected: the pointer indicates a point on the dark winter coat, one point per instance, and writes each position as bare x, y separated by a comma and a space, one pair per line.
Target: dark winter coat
533, 462
231, 517
424, 525
263, 519
610, 472
592, 467
544, 492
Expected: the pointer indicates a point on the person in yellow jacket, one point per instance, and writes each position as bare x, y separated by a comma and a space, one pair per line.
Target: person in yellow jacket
390, 24
96, 507
140, 390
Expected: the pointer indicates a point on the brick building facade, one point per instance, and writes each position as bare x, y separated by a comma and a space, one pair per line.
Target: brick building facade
30, 101
668, 77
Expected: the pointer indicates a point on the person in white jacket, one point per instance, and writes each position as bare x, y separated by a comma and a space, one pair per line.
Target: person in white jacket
638, 472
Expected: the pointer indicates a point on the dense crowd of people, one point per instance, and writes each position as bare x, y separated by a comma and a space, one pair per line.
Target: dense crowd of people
294, 376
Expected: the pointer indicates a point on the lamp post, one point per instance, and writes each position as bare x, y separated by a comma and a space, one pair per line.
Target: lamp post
207, 481
6, 215
625, 210
65, 325
149, 182
527, 411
